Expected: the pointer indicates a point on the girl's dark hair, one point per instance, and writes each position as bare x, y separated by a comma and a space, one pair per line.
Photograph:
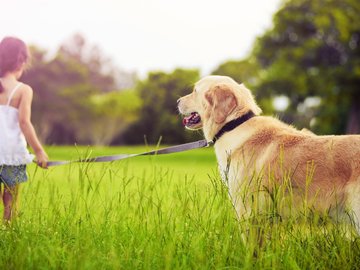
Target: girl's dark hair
13, 53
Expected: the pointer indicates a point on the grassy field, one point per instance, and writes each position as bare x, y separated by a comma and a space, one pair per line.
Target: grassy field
163, 212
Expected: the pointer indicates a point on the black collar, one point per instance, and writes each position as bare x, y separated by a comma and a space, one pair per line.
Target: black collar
232, 124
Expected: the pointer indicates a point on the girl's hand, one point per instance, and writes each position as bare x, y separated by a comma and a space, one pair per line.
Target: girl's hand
42, 159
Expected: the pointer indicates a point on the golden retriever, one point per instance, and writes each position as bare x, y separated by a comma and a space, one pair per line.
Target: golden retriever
253, 151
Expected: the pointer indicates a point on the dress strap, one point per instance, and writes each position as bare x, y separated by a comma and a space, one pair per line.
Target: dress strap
12, 93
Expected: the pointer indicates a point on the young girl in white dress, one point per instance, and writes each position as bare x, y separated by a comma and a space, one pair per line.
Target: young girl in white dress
16, 129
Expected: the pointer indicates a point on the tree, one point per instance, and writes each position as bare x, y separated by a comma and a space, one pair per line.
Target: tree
313, 50
114, 112
159, 117
100, 68
71, 95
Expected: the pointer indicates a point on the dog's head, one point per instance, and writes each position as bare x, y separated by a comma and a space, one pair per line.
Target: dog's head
215, 100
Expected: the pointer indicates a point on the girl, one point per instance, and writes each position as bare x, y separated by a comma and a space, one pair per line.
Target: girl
15, 124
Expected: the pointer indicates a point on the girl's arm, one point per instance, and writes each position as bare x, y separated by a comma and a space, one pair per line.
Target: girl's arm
27, 127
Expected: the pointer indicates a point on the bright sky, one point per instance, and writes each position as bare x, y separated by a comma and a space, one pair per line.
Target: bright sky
144, 35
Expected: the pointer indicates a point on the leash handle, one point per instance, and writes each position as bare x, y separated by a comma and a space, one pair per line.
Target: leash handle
167, 150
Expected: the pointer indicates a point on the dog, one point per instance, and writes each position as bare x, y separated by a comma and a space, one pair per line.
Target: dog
259, 152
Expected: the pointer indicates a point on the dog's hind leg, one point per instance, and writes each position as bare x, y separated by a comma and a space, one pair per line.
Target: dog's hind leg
353, 203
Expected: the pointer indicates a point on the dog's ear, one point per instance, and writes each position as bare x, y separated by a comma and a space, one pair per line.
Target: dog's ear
222, 102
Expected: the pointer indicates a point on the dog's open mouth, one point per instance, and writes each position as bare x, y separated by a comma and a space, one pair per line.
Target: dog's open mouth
192, 121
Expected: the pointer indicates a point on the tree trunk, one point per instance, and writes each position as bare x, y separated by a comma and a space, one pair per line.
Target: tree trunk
353, 123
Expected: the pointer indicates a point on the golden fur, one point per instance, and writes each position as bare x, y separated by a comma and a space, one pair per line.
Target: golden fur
322, 170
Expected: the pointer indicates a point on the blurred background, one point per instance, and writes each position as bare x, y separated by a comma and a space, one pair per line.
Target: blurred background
109, 72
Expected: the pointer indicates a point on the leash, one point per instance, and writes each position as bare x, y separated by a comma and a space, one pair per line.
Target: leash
168, 150
173, 149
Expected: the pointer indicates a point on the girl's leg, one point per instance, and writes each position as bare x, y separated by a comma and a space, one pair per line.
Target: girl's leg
10, 196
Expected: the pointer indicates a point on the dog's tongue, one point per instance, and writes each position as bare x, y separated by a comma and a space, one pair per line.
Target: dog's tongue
191, 119
186, 120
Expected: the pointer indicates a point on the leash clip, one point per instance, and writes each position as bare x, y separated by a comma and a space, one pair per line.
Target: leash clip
210, 143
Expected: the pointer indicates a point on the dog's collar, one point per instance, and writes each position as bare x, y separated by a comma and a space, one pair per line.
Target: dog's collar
232, 125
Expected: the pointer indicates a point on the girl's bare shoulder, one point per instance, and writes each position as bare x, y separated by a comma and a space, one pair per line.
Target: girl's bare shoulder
25, 90
25, 87
23, 96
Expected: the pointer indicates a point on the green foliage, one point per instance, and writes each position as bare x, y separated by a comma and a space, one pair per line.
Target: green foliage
75, 100
314, 50
115, 111
158, 116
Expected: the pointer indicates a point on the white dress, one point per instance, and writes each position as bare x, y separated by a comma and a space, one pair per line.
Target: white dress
13, 146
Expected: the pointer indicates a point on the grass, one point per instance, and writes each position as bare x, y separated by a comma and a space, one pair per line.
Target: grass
163, 212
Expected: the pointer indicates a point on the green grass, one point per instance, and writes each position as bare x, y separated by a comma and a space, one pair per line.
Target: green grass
163, 212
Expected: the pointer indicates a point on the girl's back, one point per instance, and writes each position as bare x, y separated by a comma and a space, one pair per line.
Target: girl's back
13, 146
